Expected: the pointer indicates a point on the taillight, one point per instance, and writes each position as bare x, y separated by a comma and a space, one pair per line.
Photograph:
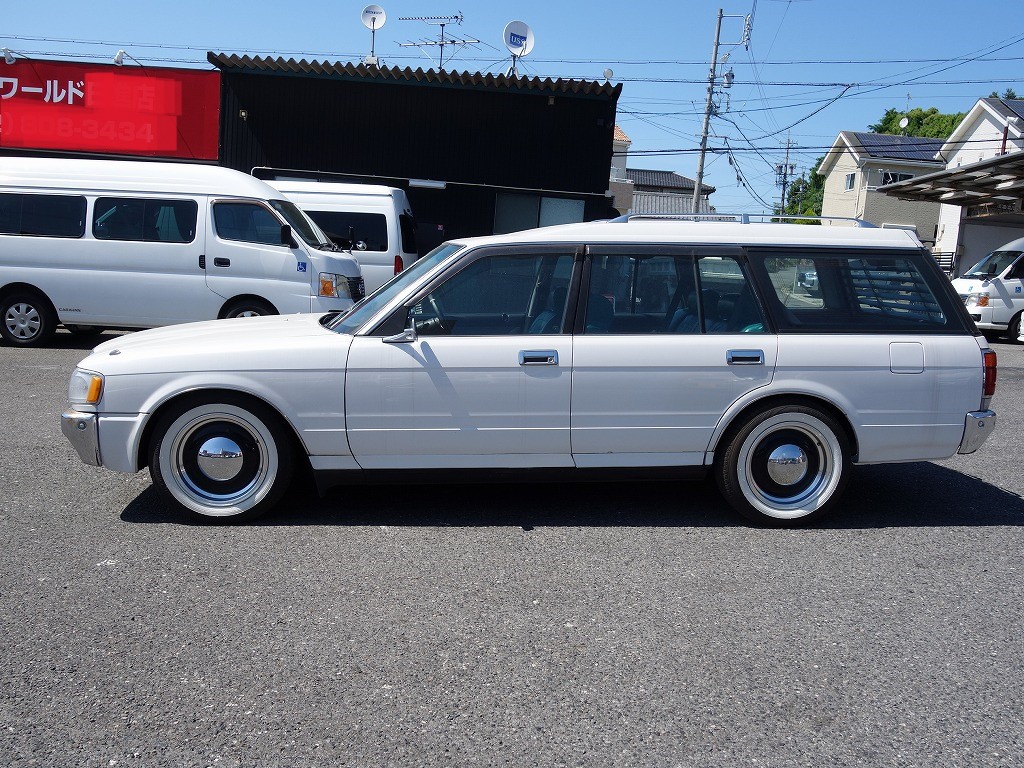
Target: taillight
990, 372
399, 264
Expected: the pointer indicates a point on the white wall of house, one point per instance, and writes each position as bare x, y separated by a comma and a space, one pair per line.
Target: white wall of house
837, 200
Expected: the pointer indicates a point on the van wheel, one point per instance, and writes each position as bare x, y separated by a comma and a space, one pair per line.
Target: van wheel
785, 465
1013, 329
27, 319
226, 458
249, 308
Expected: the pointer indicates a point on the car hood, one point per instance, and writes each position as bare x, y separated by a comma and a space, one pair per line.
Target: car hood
247, 343
964, 285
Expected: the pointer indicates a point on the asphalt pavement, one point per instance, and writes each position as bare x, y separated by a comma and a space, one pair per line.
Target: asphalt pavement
511, 625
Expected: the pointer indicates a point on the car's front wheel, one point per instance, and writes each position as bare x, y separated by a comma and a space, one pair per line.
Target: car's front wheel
27, 319
221, 459
785, 465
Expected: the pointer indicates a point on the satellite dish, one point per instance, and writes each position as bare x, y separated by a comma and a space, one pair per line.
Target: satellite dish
904, 122
608, 74
373, 17
518, 38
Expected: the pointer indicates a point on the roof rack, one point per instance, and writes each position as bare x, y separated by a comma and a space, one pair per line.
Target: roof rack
740, 218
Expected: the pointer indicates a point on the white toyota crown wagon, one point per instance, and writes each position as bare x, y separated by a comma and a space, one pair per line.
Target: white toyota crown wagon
624, 348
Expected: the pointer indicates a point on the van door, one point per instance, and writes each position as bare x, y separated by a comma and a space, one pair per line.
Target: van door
246, 258
1008, 298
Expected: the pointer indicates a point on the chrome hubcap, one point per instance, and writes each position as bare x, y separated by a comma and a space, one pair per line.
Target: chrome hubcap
787, 464
220, 458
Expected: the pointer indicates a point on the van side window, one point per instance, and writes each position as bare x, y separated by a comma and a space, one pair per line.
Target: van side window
370, 229
247, 222
407, 227
145, 220
42, 215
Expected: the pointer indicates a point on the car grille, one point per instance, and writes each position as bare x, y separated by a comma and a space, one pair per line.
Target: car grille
356, 288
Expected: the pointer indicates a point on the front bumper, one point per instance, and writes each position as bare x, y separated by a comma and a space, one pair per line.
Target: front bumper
82, 431
977, 427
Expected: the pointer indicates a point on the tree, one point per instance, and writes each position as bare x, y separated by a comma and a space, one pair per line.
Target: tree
804, 196
1009, 94
926, 123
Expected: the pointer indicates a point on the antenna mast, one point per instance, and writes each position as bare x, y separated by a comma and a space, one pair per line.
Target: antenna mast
442, 22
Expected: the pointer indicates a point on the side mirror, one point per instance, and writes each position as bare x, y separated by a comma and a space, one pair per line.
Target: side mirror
286, 236
408, 336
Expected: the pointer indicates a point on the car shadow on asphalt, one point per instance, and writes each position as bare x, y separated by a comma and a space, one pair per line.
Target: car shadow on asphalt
883, 496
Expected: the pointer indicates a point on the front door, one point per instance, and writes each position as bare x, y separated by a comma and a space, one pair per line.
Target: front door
485, 380
669, 341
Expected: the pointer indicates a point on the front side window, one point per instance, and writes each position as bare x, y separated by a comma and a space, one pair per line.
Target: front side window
860, 293
146, 220
247, 222
42, 215
359, 231
674, 294
499, 294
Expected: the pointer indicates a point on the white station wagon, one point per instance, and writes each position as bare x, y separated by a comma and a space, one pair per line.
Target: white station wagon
624, 348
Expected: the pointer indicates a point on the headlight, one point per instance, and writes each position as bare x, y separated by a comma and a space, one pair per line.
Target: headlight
977, 300
85, 388
334, 286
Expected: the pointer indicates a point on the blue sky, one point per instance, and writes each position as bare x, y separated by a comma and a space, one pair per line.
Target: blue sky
813, 67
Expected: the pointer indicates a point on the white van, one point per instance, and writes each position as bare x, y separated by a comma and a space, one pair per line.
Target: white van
375, 222
993, 291
99, 244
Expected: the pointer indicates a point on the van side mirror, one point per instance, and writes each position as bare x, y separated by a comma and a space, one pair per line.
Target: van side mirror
286, 235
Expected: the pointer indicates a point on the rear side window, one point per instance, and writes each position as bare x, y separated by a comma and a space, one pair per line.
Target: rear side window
42, 215
860, 293
407, 227
360, 231
145, 220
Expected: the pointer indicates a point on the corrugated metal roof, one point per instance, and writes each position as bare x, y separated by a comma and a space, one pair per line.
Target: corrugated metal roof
896, 147
663, 180
349, 71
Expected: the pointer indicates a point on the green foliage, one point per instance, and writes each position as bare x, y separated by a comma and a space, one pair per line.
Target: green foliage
804, 196
927, 123
1009, 94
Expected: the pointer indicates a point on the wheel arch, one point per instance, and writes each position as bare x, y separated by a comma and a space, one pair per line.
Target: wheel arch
242, 299
11, 289
196, 396
735, 422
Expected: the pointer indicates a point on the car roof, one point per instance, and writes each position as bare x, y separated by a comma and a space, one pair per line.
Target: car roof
668, 232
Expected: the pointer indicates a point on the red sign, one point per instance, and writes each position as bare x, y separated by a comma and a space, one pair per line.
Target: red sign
134, 110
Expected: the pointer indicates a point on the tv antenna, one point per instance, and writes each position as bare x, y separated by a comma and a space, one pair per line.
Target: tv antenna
519, 40
442, 41
373, 18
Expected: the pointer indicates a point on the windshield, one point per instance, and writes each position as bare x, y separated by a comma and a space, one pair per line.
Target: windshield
368, 307
993, 264
301, 224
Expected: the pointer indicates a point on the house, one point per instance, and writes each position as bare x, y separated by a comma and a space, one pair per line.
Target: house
620, 187
981, 189
859, 163
666, 192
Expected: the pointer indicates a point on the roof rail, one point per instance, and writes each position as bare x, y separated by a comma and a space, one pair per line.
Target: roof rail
740, 218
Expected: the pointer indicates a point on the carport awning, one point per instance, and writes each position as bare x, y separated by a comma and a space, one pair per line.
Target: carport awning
998, 181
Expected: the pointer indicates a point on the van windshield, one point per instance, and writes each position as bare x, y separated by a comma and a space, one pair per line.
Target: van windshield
993, 264
350, 321
301, 224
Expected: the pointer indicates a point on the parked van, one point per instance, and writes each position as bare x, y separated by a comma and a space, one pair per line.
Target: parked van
99, 244
993, 291
375, 222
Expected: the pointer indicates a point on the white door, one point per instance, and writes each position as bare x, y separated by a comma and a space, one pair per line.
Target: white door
486, 382
669, 342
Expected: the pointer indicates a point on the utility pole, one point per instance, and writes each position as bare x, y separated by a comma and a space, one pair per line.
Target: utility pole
699, 180
782, 174
709, 105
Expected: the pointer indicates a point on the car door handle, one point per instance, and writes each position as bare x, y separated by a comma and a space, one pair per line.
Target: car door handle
744, 357
221, 262
538, 357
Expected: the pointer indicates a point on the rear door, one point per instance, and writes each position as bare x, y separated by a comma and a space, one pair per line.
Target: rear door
666, 341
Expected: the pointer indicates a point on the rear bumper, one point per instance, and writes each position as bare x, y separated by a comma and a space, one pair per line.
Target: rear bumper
977, 427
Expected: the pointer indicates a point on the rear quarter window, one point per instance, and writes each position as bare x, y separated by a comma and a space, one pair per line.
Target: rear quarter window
858, 292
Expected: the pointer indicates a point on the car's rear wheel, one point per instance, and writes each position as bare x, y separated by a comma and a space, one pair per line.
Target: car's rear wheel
1013, 330
785, 465
27, 319
221, 459
249, 308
